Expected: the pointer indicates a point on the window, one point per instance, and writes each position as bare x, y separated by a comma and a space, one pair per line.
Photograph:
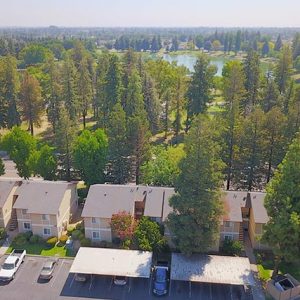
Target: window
228, 237
24, 211
96, 235
47, 231
27, 226
45, 217
227, 224
94, 220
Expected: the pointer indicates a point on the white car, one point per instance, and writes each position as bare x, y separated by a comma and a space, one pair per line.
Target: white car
11, 265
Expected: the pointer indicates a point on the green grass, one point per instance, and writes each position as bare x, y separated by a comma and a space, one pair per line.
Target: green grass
41, 249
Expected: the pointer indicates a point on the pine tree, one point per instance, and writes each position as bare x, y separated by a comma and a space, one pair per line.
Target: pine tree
252, 73
69, 89
198, 93
274, 140
65, 136
233, 90
283, 207
54, 89
278, 44
249, 163
283, 69
195, 222
84, 89
151, 101
2, 167
31, 101
270, 94
119, 171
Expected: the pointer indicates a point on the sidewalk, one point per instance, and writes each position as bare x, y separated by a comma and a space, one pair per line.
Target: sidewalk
4, 247
257, 289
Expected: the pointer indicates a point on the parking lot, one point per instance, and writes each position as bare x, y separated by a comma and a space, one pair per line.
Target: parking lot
63, 286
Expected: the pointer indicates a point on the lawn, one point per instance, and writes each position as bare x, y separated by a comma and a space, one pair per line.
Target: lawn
265, 266
41, 249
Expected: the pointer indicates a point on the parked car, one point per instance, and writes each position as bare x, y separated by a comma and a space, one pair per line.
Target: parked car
11, 265
81, 277
161, 279
48, 269
120, 280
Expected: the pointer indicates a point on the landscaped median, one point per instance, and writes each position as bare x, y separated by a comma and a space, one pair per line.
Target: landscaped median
34, 244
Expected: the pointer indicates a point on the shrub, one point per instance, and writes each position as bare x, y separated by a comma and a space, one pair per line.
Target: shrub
231, 247
85, 242
52, 241
63, 239
76, 234
82, 193
70, 229
79, 226
28, 235
103, 244
2, 234
35, 239
126, 244
20, 239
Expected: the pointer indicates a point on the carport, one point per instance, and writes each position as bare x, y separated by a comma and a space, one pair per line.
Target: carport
211, 269
112, 262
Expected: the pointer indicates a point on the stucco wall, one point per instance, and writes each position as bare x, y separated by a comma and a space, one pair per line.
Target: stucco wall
102, 226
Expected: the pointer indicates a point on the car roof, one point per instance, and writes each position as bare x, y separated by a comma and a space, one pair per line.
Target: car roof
49, 263
11, 259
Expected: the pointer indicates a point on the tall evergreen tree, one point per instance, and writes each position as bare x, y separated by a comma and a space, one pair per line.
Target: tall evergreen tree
69, 88
31, 101
249, 163
283, 69
252, 73
233, 90
119, 170
270, 94
151, 101
278, 44
283, 207
195, 222
65, 136
198, 93
54, 89
84, 89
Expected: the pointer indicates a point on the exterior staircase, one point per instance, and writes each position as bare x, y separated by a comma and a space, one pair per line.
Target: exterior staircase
241, 233
13, 222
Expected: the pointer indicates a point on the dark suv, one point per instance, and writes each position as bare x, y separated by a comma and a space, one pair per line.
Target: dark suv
160, 280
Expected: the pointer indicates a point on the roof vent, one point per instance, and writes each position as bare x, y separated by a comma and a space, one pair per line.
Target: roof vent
105, 194
254, 197
234, 196
244, 199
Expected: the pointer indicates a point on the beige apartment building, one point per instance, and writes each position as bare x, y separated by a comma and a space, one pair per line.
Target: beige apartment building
104, 200
45, 207
7, 198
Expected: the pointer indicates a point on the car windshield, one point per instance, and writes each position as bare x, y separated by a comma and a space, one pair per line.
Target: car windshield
46, 268
8, 266
161, 275
120, 277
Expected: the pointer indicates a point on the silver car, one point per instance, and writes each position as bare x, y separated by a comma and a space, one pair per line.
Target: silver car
48, 269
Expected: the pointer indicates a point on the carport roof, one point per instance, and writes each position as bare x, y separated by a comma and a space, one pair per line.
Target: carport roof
101, 261
211, 269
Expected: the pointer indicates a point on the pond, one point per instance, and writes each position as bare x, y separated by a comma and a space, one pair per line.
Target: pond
189, 60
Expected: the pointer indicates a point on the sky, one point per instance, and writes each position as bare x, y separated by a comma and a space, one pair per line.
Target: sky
150, 13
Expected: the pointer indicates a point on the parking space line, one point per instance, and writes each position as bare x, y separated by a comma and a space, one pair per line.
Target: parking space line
210, 292
231, 292
190, 289
17, 274
111, 283
170, 288
91, 284
129, 284
54, 278
150, 283
71, 283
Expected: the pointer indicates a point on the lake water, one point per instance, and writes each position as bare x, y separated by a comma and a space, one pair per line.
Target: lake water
189, 61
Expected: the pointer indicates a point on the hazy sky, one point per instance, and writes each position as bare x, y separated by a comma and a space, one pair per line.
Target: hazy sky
279, 13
